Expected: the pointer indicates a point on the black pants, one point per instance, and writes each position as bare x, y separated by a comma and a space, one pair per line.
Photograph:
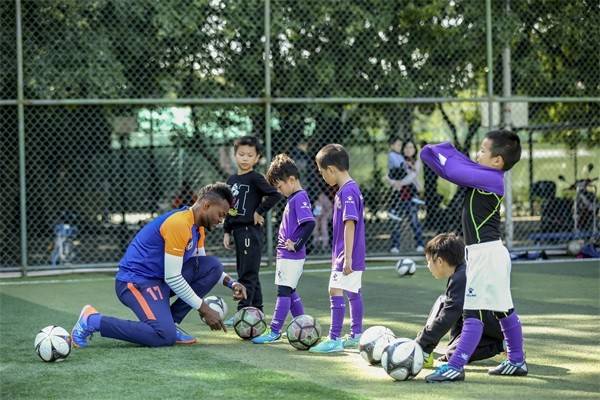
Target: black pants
490, 343
248, 249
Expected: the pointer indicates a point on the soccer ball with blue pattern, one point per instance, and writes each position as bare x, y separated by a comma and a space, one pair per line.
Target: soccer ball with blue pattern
402, 359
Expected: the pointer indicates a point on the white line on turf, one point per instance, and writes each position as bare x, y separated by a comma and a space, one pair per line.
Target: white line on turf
62, 281
272, 271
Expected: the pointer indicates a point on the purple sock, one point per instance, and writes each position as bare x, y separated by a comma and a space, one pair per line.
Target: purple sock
469, 339
93, 322
513, 334
297, 308
282, 307
356, 312
338, 309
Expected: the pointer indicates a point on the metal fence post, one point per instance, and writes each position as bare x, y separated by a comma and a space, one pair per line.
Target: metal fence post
507, 124
21, 118
268, 120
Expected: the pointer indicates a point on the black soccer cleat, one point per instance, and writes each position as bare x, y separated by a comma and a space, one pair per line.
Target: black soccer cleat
509, 369
446, 373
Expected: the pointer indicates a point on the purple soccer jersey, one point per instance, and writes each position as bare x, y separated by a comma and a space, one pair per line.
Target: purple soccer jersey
348, 206
297, 211
454, 166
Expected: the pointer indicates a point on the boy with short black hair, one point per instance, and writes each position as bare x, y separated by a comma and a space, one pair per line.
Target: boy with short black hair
488, 261
445, 256
253, 197
348, 253
297, 224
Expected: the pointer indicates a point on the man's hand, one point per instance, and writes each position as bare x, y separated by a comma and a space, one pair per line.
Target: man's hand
258, 219
347, 267
289, 245
227, 241
212, 318
239, 291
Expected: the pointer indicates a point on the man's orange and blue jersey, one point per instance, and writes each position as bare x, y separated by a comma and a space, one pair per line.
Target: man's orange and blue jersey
173, 233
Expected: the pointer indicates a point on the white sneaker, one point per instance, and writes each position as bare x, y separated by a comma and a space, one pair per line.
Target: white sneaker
420, 249
395, 250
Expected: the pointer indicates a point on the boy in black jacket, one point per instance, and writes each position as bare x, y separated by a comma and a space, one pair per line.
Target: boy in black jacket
445, 255
253, 197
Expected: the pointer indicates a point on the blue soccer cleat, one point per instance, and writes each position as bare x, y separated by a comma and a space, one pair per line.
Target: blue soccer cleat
351, 342
81, 333
506, 368
328, 346
182, 337
268, 337
446, 373
228, 322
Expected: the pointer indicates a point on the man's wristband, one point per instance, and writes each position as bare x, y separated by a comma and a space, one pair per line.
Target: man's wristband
231, 283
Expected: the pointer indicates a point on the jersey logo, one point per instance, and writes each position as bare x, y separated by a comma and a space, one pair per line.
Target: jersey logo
189, 246
471, 292
240, 192
442, 159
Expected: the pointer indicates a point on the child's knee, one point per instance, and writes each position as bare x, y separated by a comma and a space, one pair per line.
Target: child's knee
336, 292
166, 335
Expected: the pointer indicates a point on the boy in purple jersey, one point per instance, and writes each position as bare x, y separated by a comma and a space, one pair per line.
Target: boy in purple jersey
348, 253
297, 224
488, 261
164, 260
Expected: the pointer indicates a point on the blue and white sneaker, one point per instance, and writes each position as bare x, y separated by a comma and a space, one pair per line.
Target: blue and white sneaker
507, 368
351, 342
268, 337
446, 373
81, 333
328, 346
182, 337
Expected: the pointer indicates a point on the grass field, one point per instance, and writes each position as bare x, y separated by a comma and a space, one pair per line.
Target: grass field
558, 304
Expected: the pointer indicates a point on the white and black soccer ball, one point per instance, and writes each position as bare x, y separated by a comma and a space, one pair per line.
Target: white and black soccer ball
574, 247
217, 304
52, 343
249, 322
406, 267
402, 359
303, 332
373, 341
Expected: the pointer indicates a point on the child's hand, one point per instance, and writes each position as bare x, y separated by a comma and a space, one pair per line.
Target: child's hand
258, 219
347, 267
227, 241
289, 245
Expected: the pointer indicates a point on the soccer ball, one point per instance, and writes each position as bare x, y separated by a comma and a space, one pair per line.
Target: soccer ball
52, 343
406, 267
249, 322
373, 341
303, 332
574, 247
217, 304
402, 359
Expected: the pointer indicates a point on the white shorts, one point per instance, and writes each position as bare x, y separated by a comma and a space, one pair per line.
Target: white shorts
351, 282
288, 272
488, 277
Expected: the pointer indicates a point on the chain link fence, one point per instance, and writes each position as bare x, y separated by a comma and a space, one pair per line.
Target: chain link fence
128, 107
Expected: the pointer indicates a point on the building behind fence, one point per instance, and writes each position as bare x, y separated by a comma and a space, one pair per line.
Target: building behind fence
115, 111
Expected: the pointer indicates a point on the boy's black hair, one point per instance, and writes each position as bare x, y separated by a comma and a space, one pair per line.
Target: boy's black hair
281, 168
333, 155
507, 145
251, 141
448, 246
393, 139
218, 190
